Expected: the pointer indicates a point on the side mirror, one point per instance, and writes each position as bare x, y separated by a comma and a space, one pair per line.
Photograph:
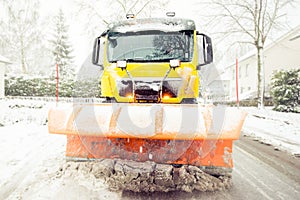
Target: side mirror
174, 64
97, 53
122, 64
205, 51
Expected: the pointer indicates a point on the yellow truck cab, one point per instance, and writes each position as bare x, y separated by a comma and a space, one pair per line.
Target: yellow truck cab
151, 60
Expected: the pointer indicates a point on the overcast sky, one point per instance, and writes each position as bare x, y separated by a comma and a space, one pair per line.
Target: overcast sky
182, 8
81, 42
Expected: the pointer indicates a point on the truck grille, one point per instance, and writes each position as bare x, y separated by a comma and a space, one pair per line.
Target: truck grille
149, 88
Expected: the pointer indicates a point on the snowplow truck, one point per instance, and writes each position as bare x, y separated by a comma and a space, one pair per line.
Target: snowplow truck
150, 133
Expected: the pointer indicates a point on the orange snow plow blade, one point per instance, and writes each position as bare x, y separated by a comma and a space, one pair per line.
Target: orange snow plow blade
164, 133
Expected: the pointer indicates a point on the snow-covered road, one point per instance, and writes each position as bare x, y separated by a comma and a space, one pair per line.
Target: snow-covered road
281, 130
30, 165
32, 161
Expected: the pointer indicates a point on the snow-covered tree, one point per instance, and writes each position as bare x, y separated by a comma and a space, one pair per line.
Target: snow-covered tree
20, 33
285, 89
61, 48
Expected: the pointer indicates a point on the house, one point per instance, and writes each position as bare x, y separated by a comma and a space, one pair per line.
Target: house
283, 53
3, 62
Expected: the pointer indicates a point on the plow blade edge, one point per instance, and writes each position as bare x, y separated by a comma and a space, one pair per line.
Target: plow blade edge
163, 133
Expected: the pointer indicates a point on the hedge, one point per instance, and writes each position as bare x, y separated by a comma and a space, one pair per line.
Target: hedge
38, 86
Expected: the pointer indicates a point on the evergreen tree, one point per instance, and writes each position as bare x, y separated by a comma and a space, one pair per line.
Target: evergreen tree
285, 89
61, 48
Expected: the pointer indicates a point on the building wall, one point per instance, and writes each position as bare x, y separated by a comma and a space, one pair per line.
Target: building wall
285, 55
1, 80
282, 54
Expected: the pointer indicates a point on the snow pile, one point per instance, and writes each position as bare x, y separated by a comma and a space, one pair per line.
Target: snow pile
281, 130
23, 111
148, 176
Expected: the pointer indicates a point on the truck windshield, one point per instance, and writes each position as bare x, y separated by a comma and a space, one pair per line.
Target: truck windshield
150, 46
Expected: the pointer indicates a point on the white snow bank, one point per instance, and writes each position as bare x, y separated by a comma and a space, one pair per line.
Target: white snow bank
281, 130
23, 111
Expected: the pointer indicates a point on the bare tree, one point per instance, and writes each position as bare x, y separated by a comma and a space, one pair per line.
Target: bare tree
140, 8
19, 30
251, 21
101, 12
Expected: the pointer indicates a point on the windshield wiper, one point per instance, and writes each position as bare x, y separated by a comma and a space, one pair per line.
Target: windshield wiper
168, 59
129, 60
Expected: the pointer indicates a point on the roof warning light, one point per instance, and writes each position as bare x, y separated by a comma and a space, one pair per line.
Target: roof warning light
130, 16
170, 14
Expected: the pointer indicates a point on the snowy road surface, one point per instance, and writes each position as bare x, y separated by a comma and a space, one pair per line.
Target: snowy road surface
32, 161
31, 170
276, 128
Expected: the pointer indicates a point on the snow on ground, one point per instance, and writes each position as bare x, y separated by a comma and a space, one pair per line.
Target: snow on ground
24, 156
31, 158
23, 111
31, 167
281, 130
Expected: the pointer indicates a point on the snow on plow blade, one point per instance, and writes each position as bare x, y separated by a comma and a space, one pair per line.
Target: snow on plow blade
163, 133
156, 121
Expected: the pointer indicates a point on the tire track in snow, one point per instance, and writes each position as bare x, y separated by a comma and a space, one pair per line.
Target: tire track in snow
260, 176
22, 169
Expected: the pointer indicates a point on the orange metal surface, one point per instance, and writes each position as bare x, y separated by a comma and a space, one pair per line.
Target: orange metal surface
163, 133
197, 153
